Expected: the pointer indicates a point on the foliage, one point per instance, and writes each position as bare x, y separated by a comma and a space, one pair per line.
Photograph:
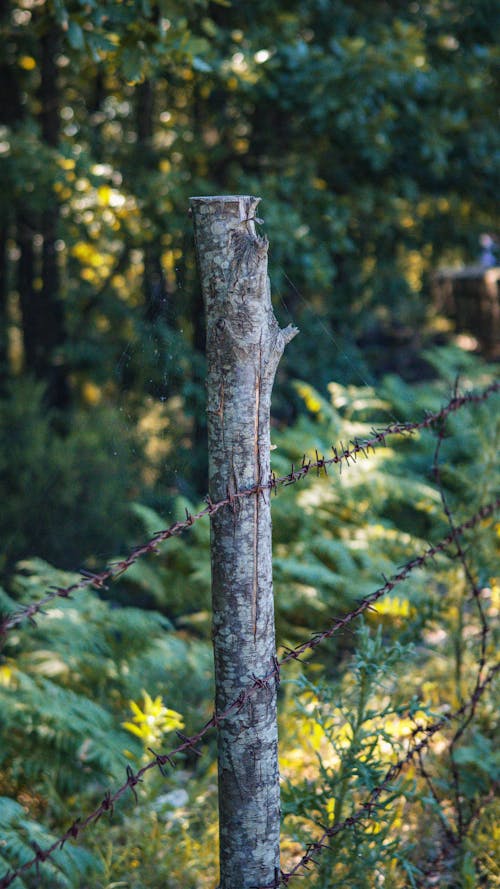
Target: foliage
346, 731
153, 721
55, 489
350, 735
66, 685
20, 832
177, 580
382, 510
345, 737
371, 137
171, 838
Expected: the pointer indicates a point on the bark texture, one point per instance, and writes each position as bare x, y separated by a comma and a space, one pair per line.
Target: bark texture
244, 346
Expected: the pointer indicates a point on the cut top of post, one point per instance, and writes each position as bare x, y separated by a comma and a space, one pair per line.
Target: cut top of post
226, 213
224, 197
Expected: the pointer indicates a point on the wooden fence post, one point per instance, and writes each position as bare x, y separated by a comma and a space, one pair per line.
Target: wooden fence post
244, 346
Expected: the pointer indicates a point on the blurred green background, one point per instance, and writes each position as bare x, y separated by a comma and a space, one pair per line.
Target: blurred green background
371, 133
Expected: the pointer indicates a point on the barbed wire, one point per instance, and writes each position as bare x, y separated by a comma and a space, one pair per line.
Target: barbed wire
343, 454
389, 583
366, 809
476, 595
415, 751
259, 684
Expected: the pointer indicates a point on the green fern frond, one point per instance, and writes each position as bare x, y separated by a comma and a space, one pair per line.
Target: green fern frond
67, 868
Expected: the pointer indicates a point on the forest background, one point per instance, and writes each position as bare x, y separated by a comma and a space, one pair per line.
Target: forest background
371, 132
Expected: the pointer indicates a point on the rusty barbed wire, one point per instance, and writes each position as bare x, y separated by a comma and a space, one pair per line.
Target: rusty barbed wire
476, 595
389, 583
393, 772
467, 709
342, 454
259, 684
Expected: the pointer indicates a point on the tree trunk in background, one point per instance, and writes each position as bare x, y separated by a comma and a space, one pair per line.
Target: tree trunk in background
41, 306
155, 294
29, 299
11, 112
51, 332
4, 293
95, 107
244, 346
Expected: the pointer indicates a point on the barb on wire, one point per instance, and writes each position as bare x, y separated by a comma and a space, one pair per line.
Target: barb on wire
258, 684
365, 810
341, 455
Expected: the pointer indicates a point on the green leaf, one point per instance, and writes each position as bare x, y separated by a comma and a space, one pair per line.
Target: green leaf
199, 65
75, 35
132, 65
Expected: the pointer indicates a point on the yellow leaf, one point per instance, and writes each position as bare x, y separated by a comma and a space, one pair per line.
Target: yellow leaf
103, 195
91, 393
134, 729
135, 709
5, 675
154, 720
27, 63
330, 808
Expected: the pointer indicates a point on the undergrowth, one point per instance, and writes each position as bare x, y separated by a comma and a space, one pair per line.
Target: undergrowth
93, 664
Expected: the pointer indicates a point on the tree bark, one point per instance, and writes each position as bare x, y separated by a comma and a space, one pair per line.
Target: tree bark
154, 285
27, 294
11, 113
4, 317
42, 309
244, 346
50, 309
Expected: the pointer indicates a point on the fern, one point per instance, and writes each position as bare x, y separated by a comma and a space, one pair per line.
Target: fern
64, 692
67, 868
65, 685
